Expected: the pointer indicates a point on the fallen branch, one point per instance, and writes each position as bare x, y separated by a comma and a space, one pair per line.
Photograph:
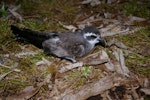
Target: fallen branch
16, 15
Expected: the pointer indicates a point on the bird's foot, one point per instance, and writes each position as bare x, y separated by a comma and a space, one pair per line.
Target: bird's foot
72, 59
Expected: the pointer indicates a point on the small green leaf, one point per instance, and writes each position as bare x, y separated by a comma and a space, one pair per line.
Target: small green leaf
3, 11
86, 70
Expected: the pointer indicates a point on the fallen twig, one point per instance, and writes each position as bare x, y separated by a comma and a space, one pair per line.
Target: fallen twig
11, 70
4, 75
16, 70
14, 13
69, 27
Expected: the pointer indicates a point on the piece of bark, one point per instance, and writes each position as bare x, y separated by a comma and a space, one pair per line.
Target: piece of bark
70, 66
96, 58
120, 63
93, 88
117, 43
146, 91
110, 66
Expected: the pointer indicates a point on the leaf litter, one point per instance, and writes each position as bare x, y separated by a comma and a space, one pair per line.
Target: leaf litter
103, 72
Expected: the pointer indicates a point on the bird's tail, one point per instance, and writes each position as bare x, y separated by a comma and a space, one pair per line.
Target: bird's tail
34, 37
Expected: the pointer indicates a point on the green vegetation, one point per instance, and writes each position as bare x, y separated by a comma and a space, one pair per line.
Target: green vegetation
45, 15
3, 11
136, 61
4, 29
136, 8
86, 70
51, 11
37, 15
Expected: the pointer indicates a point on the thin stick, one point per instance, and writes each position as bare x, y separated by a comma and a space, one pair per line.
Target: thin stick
16, 70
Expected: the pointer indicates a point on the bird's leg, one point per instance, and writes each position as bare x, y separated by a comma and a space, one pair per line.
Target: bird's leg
72, 59
90, 52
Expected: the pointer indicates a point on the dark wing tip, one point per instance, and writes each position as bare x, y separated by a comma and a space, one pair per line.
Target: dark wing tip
15, 29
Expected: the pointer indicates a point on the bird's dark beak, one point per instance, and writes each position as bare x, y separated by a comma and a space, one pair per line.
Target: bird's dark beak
102, 42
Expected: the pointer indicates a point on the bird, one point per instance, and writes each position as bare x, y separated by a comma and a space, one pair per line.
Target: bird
64, 45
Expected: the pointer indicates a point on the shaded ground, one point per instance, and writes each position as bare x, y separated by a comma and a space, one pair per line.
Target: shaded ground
39, 74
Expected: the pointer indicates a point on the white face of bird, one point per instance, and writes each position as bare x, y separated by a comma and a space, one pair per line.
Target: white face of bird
92, 38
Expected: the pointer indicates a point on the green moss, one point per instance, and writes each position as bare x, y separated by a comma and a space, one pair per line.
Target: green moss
136, 62
44, 15
7, 43
4, 30
12, 86
51, 9
40, 25
136, 9
36, 7
139, 38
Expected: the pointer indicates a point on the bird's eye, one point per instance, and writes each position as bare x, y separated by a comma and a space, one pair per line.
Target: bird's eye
93, 36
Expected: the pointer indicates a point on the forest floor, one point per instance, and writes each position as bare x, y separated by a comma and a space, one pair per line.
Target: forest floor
121, 71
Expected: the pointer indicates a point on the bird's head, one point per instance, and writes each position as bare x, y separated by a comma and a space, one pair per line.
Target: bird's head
93, 36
